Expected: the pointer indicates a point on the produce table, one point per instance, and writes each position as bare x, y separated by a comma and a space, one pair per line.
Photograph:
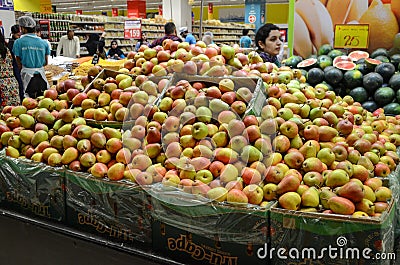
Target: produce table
61, 245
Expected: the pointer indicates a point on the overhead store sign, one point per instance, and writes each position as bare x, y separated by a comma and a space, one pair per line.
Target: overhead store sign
136, 8
351, 36
133, 29
6, 5
255, 12
114, 12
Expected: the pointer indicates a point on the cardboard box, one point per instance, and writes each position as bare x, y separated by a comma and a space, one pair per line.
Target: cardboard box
189, 228
115, 211
32, 189
299, 232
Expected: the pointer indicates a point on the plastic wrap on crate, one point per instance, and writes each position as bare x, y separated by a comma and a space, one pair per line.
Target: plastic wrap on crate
116, 211
333, 239
196, 214
256, 85
395, 187
32, 189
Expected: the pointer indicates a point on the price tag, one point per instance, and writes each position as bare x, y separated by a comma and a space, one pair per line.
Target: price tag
44, 28
133, 29
351, 36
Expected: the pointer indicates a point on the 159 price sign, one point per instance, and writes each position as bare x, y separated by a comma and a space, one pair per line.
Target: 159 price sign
352, 36
133, 29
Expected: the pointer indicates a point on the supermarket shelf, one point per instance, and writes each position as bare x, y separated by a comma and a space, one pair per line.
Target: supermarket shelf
220, 27
114, 30
88, 31
57, 31
152, 24
44, 243
86, 23
153, 30
115, 22
50, 19
115, 37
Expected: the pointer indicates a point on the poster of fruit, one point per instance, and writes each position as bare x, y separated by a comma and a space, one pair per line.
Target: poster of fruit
315, 20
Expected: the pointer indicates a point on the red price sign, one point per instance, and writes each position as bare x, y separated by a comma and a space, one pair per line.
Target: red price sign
133, 29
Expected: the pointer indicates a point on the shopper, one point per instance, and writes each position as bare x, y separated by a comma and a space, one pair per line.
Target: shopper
9, 88
170, 33
141, 41
95, 45
245, 41
268, 42
187, 37
208, 38
32, 55
16, 34
115, 52
69, 44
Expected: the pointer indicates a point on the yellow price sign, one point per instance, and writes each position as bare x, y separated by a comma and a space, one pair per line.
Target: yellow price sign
45, 6
351, 36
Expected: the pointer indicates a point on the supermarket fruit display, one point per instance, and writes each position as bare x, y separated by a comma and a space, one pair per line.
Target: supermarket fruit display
371, 79
314, 28
198, 135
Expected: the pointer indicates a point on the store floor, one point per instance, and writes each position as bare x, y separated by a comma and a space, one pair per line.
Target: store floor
26, 241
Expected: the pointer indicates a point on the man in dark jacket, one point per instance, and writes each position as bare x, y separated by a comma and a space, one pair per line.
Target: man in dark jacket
170, 33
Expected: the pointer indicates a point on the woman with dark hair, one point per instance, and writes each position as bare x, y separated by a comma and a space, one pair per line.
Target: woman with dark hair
16, 34
142, 41
95, 44
115, 52
9, 89
268, 42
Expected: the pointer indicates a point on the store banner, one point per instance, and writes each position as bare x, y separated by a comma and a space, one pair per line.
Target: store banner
210, 11
79, 12
136, 8
114, 12
133, 29
44, 25
255, 12
160, 10
7, 5
45, 7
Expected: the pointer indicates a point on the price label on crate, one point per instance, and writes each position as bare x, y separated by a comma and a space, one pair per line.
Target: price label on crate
133, 29
351, 36
44, 28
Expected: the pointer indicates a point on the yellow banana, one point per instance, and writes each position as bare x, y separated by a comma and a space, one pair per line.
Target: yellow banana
357, 9
338, 10
302, 45
316, 17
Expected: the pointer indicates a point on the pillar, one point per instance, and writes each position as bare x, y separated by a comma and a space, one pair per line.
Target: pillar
179, 11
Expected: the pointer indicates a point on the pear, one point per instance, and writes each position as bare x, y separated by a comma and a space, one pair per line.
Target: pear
310, 197
26, 136
27, 121
69, 155
38, 137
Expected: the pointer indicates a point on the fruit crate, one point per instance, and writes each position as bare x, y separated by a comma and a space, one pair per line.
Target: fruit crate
113, 211
307, 232
256, 86
196, 231
105, 73
32, 189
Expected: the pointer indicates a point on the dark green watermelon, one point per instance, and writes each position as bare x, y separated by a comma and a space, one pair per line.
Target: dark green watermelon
372, 81
379, 52
384, 96
353, 78
386, 70
359, 94
392, 108
333, 76
315, 76
370, 105
394, 82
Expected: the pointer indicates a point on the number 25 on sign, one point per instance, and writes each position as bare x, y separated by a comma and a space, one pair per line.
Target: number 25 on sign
351, 36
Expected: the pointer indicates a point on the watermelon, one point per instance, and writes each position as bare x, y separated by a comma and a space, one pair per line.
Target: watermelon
384, 96
342, 58
333, 76
386, 70
394, 82
352, 79
359, 94
357, 55
315, 76
372, 81
372, 63
307, 63
363, 68
335, 53
324, 49
380, 52
392, 108
293, 60
370, 105
398, 95
324, 61
382, 58
395, 60
345, 65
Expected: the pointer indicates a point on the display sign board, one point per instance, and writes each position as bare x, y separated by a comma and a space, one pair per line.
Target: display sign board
79, 11
160, 10
136, 8
6, 5
351, 36
284, 34
210, 11
44, 25
133, 29
45, 7
255, 12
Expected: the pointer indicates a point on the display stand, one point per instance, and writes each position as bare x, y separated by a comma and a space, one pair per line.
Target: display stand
35, 242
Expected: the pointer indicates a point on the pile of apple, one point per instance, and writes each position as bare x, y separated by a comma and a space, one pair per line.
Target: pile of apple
211, 60
111, 99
